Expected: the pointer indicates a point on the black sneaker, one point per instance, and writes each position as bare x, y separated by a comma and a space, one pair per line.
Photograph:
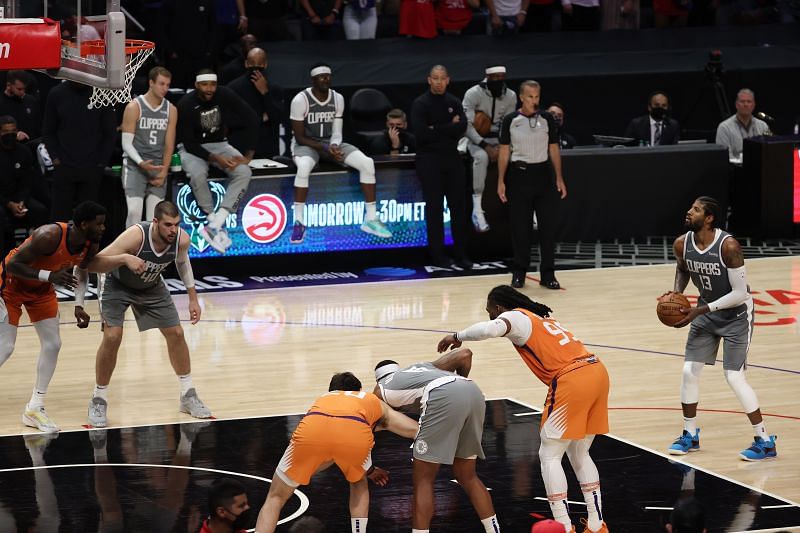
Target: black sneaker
465, 263
518, 280
552, 284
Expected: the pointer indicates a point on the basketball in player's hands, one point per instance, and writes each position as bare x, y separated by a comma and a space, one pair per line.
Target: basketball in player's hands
482, 123
669, 308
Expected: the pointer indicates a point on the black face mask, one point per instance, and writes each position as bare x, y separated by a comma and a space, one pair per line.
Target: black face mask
253, 70
559, 121
658, 113
8, 140
243, 521
496, 87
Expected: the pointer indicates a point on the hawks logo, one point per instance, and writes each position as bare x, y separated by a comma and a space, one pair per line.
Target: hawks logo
264, 218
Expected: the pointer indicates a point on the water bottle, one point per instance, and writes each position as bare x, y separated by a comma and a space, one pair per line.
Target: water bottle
175, 163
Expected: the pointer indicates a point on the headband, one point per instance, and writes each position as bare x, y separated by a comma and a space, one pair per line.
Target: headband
383, 371
320, 70
205, 77
496, 70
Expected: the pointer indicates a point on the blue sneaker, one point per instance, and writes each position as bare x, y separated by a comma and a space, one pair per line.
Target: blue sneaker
377, 228
298, 233
685, 443
761, 449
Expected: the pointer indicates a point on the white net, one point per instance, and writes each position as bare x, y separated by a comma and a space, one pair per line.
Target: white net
137, 53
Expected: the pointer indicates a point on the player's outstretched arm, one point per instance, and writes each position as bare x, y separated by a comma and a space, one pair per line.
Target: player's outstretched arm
458, 361
118, 253
184, 268
397, 423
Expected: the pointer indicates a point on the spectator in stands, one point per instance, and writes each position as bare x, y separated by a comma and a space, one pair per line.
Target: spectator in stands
506, 17
732, 131
15, 102
417, 19
360, 19
228, 507
438, 122
620, 14
396, 138
656, 127
565, 140
580, 15
17, 176
494, 99
452, 16
539, 17
688, 516
265, 99
264, 19
187, 38
235, 67
671, 13
80, 141
322, 23
203, 118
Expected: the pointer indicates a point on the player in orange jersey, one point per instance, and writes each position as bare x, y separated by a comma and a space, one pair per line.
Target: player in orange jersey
576, 407
28, 275
337, 429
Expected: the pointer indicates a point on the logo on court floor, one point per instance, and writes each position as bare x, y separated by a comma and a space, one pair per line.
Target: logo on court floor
421, 447
264, 218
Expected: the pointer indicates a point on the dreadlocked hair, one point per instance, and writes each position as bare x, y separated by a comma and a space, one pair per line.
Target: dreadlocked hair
510, 298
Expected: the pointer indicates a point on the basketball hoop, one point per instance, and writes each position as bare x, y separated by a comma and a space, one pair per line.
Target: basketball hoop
136, 53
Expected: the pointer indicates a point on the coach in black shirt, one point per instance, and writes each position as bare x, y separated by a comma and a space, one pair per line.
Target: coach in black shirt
438, 122
529, 157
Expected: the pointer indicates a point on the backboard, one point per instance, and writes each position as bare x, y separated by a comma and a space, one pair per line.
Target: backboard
82, 21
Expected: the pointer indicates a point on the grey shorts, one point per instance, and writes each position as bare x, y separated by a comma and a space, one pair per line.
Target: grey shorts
136, 184
733, 326
452, 424
152, 308
301, 150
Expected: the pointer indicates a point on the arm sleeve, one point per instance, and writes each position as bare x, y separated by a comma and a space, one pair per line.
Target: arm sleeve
186, 133
483, 330
505, 129
298, 108
518, 334
338, 121
471, 99
127, 147
738, 294
240, 108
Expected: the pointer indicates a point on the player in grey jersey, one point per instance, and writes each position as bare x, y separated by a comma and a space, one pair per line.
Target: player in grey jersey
451, 409
317, 115
713, 260
158, 243
148, 140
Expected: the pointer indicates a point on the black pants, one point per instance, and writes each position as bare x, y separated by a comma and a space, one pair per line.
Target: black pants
71, 186
528, 191
443, 176
582, 19
539, 19
37, 215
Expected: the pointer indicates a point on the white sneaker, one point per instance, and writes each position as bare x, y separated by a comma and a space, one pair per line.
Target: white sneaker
192, 405
37, 418
479, 222
217, 238
98, 409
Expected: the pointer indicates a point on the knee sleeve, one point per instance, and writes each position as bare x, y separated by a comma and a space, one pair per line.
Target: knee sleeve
581, 461
304, 167
365, 166
8, 337
742, 389
50, 340
135, 204
150, 206
551, 452
690, 382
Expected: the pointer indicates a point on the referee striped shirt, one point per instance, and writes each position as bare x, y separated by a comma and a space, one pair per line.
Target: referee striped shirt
529, 137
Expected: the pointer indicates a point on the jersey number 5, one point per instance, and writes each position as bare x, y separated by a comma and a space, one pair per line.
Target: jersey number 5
153, 137
557, 330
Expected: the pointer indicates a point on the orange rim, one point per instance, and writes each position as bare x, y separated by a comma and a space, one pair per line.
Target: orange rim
98, 47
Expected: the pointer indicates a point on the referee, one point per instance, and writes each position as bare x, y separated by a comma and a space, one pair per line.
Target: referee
529, 153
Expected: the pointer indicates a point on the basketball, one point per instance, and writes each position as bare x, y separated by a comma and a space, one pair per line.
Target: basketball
482, 123
669, 308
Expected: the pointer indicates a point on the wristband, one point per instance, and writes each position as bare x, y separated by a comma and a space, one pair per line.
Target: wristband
44, 275
371, 470
326, 147
483, 144
455, 336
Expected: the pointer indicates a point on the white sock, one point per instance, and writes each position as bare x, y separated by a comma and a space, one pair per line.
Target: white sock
690, 425
371, 212
37, 399
186, 383
561, 513
490, 524
100, 391
760, 430
594, 505
358, 525
420, 530
300, 213
476, 203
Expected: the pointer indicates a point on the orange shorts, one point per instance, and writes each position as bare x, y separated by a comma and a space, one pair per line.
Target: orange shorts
577, 404
321, 439
39, 306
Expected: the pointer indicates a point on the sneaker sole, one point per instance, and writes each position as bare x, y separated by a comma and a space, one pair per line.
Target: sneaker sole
376, 233
681, 452
749, 460
187, 412
211, 242
32, 424
98, 424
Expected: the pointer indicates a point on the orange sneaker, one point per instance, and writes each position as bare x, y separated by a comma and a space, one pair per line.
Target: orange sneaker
603, 527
